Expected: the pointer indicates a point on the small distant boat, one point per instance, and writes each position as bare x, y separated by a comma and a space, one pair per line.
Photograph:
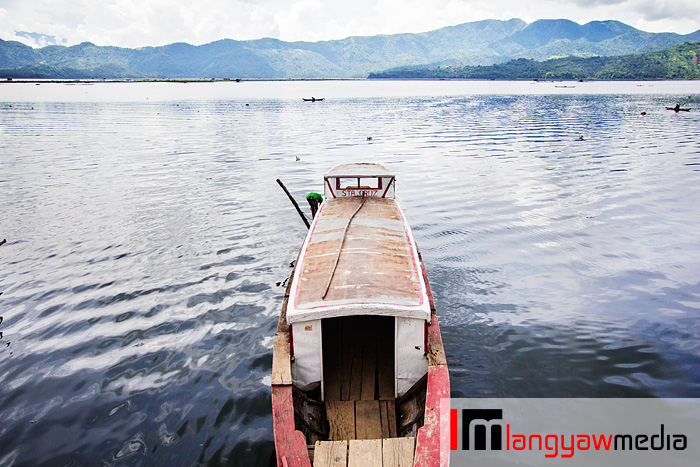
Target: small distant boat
358, 366
568, 87
678, 109
313, 99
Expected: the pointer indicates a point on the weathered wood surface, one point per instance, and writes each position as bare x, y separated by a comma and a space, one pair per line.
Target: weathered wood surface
358, 356
349, 352
332, 332
387, 412
331, 454
341, 418
391, 452
368, 420
290, 444
398, 452
377, 262
429, 451
365, 453
435, 351
282, 325
361, 419
281, 363
369, 363
385, 362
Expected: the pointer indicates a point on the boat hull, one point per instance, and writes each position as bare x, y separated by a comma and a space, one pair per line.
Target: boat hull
358, 369
291, 444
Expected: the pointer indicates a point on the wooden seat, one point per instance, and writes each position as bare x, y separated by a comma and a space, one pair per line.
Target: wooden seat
331, 454
391, 452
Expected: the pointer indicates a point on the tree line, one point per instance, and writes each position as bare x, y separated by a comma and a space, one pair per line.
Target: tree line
678, 62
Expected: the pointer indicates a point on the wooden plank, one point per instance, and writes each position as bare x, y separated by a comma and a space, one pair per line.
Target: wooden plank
391, 409
365, 453
295, 461
346, 359
356, 366
384, 414
398, 452
290, 444
282, 325
428, 446
331, 454
341, 419
281, 363
387, 410
368, 423
332, 364
436, 352
369, 359
385, 360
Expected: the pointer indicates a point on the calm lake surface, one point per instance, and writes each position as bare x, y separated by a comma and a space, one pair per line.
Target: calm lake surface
146, 238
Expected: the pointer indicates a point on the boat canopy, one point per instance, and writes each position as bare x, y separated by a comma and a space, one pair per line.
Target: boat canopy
378, 271
368, 180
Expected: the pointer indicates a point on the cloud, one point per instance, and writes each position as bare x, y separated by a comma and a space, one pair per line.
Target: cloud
135, 23
593, 3
655, 10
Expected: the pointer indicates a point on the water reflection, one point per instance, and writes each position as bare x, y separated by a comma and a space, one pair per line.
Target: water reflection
148, 243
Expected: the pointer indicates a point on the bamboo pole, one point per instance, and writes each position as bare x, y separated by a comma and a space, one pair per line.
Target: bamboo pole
291, 198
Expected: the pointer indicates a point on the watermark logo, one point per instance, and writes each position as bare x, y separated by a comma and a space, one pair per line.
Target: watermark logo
479, 426
572, 431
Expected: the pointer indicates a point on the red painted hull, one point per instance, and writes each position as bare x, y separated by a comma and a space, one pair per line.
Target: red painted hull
376, 286
290, 444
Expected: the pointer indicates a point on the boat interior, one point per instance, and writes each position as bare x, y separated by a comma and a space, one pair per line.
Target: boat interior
358, 401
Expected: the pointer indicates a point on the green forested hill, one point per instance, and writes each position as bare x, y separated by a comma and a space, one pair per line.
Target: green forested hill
479, 43
679, 62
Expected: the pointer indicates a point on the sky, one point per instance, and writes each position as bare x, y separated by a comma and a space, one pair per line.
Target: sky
137, 23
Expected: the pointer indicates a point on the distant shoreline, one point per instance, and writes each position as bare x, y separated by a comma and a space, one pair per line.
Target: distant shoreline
283, 80
167, 80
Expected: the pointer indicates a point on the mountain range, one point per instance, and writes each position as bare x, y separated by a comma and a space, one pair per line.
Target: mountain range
677, 62
478, 43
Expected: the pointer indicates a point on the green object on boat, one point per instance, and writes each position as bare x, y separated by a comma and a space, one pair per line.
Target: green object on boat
316, 196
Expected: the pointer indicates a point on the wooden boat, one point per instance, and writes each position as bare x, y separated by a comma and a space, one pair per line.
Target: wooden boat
358, 365
678, 109
313, 99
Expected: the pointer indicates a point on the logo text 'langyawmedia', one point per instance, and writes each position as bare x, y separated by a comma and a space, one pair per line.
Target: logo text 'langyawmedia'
643, 431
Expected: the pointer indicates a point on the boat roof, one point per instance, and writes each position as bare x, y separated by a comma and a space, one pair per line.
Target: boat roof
378, 271
359, 170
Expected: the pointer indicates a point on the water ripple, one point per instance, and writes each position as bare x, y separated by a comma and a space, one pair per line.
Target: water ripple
146, 238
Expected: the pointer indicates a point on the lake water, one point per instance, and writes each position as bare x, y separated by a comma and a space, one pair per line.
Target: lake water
146, 238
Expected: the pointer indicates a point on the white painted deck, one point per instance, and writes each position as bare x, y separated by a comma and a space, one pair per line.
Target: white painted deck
378, 270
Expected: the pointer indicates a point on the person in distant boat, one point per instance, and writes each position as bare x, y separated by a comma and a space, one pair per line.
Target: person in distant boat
677, 107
